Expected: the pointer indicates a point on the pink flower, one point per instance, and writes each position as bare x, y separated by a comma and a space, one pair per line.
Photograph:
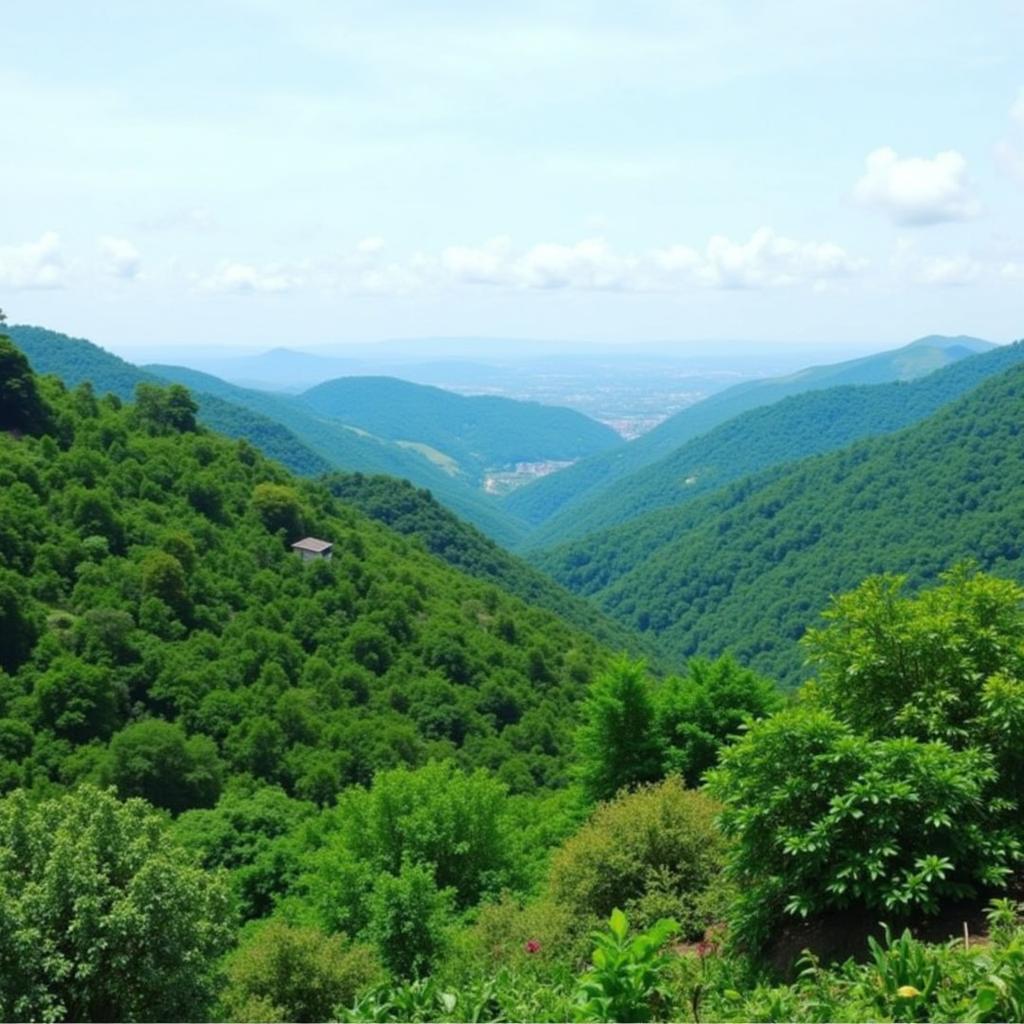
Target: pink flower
532, 946
705, 948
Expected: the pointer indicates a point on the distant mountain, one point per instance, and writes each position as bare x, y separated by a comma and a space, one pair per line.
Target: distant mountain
572, 487
749, 567
75, 360
352, 448
478, 433
788, 430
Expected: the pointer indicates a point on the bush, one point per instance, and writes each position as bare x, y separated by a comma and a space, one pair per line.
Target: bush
826, 819
285, 973
101, 917
656, 852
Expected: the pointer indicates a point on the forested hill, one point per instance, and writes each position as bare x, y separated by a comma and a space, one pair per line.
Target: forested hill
157, 633
478, 432
75, 360
572, 487
794, 428
748, 568
416, 513
353, 449
282, 428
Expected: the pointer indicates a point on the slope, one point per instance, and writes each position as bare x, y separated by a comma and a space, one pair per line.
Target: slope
157, 632
416, 513
748, 568
75, 360
354, 449
477, 432
791, 429
571, 487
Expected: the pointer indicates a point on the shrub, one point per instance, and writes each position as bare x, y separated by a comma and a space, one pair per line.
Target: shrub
286, 973
101, 916
825, 819
655, 852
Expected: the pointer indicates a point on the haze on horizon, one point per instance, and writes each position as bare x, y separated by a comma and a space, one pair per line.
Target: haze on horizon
249, 174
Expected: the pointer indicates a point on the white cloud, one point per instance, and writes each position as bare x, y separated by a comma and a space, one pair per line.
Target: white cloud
119, 258
769, 260
766, 260
1012, 272
915, 191
909, 264
369, 246
244, 277
34, 264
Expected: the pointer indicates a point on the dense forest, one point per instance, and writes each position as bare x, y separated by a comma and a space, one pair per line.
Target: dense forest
786, 431
237, 785
577, 485
747, 568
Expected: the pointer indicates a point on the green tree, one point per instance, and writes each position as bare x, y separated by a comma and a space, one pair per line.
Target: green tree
21, 406
155, 760
278, 508
618, 744
101, 917
165, 410
80, 701
19, 623
699, 712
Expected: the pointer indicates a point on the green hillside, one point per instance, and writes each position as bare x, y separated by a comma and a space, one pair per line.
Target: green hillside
76, 360
571, 488
416, 513
791, 429
477, 432
353, 449
748, 567
148, 597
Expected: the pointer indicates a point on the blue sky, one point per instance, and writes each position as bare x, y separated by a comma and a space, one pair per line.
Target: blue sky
247, 173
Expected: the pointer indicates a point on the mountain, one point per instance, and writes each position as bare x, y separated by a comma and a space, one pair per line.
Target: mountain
793, 428
354, 449
415, 513
158, 634
748, 567
281, 427
76, 360
475, 433
572, 487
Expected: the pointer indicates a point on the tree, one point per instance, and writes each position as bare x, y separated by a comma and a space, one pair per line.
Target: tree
701, 711
278, 508
618, 745
21, 406
170, 410
153, 759
101, 916
19, 624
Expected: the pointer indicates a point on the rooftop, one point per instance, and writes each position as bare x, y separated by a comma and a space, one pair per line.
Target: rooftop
313, 544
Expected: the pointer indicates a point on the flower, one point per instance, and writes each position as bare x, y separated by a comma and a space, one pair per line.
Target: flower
705, 948
532, 946
907, 992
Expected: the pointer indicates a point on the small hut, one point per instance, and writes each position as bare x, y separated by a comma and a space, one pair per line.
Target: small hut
311, 548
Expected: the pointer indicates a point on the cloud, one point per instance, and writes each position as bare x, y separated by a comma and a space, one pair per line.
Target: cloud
766, 260
120, 258
910, 265
242, 278
916, 191
369, 246
33, 265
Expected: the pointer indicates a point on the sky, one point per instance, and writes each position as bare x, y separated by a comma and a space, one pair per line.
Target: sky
248, 173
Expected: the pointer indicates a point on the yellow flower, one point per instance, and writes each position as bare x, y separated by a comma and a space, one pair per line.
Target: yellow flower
907, 992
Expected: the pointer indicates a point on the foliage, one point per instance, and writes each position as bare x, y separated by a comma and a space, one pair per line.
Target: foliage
626, 981
408, 919
285, 973
782, 431
696, 714
825, 818
617, 743
654, 852
101, 918
21, 406
745, 568
596, 478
